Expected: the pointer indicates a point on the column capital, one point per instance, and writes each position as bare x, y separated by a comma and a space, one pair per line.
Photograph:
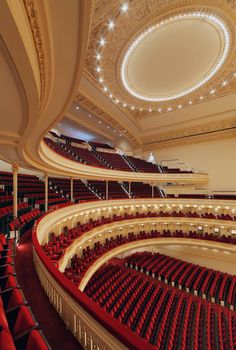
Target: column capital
15, 168
45, 176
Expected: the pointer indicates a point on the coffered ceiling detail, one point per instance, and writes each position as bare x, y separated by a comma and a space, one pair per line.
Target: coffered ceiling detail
115, 29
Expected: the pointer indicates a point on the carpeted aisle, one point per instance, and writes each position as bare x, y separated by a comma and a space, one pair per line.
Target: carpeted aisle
49, 321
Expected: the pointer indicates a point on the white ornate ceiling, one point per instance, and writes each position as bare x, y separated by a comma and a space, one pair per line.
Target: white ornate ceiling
161, 59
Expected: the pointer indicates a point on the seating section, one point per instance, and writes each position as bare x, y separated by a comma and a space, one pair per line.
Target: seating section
30, 189
142, 165
31, 193
18, 327
80, 190
141, 190
115, 190
100, 145
114, 161
25, 221
195, 279
164, 316
98, 156
57, 244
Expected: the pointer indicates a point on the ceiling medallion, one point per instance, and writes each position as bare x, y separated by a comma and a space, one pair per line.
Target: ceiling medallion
214, 23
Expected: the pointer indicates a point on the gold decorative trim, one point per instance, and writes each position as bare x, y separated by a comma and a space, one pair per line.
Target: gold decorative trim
140, 15
207, 132
32, 14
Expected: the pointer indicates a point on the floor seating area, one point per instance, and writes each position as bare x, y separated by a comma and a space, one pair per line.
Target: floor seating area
164, 316
18, 328
207, 283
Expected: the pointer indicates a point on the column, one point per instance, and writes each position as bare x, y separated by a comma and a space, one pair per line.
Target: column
129, 188
46, 191
107, 189
15, 168
152, 191
71, 190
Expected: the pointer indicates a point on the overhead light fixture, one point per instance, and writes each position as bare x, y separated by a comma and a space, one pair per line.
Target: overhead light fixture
98, 56
102, 41
179, 106
111, 25
225, 82
132, 107
169, 109
98, 69
124, 7
214, 20
190, 102
201, 97
212, 91
77, 107
110, 95
159, 110
105, 89
100, 80
150, 110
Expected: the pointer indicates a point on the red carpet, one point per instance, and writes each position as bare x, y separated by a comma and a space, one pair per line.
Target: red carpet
48, 319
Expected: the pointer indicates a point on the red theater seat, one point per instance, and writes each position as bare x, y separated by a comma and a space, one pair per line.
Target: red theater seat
6, 341
21, 321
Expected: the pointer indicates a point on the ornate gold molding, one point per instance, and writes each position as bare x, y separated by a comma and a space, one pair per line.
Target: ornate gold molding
141, 14
207, 132
33, 17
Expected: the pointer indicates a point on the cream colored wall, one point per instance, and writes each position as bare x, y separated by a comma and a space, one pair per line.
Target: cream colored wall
4, 166
215, 158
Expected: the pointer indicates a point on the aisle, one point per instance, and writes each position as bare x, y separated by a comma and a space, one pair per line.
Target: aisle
48, 319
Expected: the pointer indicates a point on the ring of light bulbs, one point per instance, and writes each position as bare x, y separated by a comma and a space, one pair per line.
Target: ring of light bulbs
191, 15
213, 19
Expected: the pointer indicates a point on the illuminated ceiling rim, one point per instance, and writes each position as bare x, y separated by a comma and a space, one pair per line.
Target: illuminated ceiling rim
213, 19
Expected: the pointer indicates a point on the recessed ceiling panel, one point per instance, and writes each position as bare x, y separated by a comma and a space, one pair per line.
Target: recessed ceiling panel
173, 57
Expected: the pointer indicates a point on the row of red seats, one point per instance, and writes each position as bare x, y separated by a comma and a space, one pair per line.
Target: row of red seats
73, 233
9, 210
199, 280
141, 165
19, 222
114, 161
55, 200
115, 189
162, 315
18, 328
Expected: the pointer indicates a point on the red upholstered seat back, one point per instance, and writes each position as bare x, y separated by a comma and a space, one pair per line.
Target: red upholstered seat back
15, 299
36, 341
24, 321
6, 341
